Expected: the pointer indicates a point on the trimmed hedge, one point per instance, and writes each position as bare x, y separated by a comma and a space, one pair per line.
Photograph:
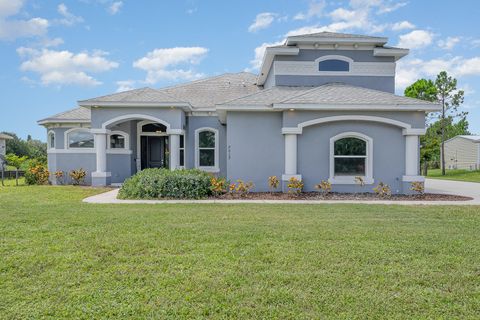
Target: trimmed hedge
163, 183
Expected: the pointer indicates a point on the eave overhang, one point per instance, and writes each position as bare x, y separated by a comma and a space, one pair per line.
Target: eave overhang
268, 57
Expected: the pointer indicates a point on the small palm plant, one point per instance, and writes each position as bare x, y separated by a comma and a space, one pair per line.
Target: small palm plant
273, 183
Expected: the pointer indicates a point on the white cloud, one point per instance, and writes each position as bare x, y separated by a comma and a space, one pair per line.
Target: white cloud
69, 19
160, 63
65, 67
410, 70
390, 7
448, 43
11, 28
115, 7
256, 62
415, 39
315, 10
262, 21
125, 85
403, 25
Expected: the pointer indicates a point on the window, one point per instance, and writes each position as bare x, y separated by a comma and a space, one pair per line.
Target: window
206, 146
80, 138
182, 151
333, 65
351, 157
154, 127
51, 140
117, 141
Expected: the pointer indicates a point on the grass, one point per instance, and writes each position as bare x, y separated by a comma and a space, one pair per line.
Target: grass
60, 258
458, 175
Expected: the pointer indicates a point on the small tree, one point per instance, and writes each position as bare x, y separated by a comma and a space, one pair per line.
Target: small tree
16, 162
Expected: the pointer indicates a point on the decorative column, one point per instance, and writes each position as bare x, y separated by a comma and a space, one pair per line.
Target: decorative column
101, 177
412, 155
290, 136
174, 143
174, 151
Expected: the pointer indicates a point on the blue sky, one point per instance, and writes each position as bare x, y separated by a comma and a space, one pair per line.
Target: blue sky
55, 53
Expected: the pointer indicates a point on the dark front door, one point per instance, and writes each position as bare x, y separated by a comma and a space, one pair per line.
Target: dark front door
154, 152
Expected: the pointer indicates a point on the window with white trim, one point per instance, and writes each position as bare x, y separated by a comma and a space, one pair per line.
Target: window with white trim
206, 149
80, 139
351, 157
117, 141
51, 140
334, 65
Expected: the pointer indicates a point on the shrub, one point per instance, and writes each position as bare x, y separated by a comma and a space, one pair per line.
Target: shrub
383, 190
360, 181
244, 188
78, 176
273, 183
37, 173
218, 185
59, 176
418, 187
324, 186
295, 185
163, 183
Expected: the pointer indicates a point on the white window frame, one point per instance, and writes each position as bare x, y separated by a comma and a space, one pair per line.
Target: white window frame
49, 141
216, 167
368, 177
334, 57
69, 131
125, 136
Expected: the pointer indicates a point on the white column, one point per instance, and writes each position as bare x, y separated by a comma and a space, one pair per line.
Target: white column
412, 159
101, 150
290, 154
174, 151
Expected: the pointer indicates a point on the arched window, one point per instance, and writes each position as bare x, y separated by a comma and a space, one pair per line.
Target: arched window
350, 157
206, 149
79, 139
51, 140
118, 140
334, 63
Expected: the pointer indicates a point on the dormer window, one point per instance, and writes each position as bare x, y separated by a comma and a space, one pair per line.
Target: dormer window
333, 65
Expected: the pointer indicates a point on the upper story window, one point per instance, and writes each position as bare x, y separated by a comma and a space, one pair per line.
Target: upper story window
206, 149
333, 65
80, 138
51, 140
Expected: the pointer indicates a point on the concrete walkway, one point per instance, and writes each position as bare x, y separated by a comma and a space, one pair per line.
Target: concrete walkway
468, 189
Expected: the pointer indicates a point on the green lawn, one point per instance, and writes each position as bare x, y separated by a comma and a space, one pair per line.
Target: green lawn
459, 175
60, 258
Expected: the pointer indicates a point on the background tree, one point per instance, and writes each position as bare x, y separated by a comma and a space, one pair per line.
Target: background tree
15, 161
444, 91
32, 148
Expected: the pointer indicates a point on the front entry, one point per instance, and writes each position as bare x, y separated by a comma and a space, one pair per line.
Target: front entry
154, 152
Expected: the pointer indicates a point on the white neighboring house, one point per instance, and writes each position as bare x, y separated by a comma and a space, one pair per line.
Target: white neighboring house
3, 147
463, 152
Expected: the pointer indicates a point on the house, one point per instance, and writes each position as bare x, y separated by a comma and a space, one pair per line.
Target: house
323, 107
463, 152
3, 148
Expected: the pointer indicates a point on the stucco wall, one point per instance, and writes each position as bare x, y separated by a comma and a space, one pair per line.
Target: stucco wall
355, 55
255, 147
313, 161
193, 123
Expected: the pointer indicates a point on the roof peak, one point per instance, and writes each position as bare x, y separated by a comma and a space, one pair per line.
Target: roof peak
335, 37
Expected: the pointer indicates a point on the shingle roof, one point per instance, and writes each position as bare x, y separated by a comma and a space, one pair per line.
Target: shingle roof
137, 95
329, 94
206, 93
80, 114
327, 34
5, 136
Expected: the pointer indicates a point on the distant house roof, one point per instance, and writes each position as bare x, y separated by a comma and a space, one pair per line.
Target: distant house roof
473, 138
4, 136
331, 94
77, 115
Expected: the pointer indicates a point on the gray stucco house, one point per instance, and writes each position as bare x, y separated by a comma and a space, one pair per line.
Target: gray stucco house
322, 107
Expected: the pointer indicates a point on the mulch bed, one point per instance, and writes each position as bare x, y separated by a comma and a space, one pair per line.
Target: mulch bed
339, 196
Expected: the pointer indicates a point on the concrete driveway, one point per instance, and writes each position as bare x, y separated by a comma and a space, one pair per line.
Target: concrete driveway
467, 189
